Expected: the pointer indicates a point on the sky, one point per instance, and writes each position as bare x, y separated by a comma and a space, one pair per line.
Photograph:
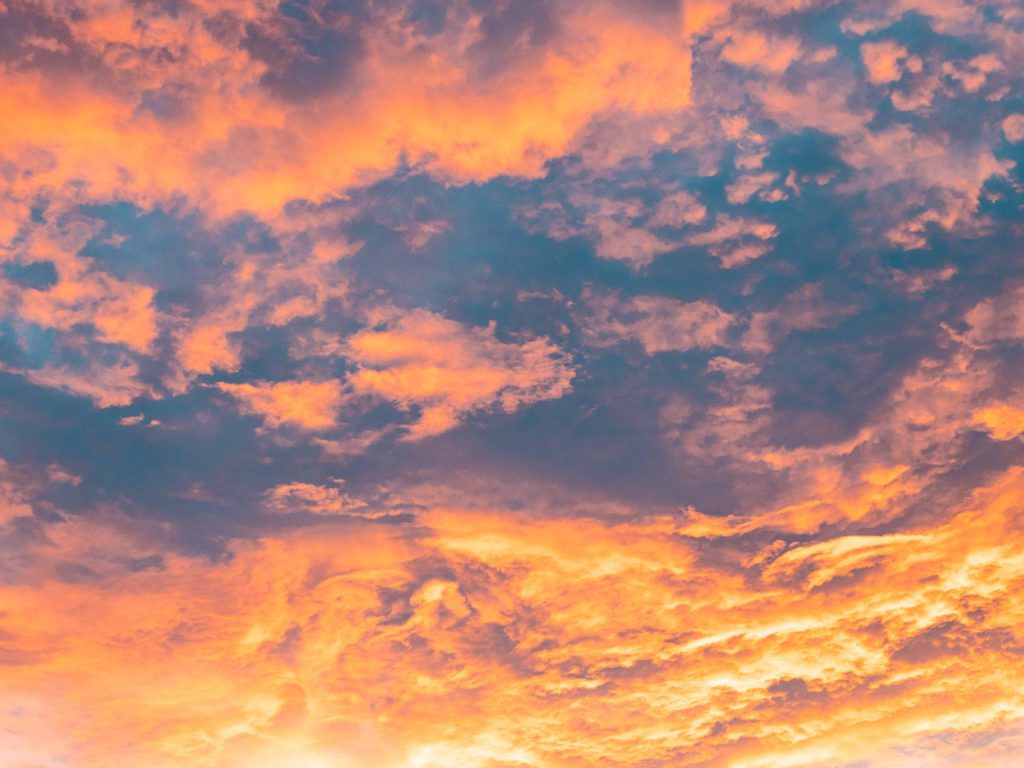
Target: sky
511, 384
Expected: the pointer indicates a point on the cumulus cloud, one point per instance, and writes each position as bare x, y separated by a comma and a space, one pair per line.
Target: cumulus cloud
447, 371
658, 323
886, 60
307, 405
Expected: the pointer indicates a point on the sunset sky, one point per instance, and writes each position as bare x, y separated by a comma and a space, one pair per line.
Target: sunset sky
511, 384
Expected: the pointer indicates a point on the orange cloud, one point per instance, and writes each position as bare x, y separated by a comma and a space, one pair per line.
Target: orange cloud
418, 361
257, 291
871, 477
485, 640
236, 147
121, 312
448, 371
1003, 421
309, 405
867, 613
207, 346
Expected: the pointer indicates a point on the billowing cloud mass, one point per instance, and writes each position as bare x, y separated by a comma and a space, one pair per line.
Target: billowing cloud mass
507, 383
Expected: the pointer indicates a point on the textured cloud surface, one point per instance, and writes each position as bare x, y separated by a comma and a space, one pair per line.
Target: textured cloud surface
506, 383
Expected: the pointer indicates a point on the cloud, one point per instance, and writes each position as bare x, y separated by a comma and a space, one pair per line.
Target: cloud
306, 405
755, 50
448, 371
318, 500
632, 244
629, 230
999, 318
625, 229
311, 102
1003, 421
76, 293
885, 61
1013, 128
735, 241
121, 313
802, 310
659, 323
519, 625
15, 502
107, 384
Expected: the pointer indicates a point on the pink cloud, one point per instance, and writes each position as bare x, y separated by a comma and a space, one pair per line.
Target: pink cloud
107, 384
660, 324
884, 61
1013, 128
